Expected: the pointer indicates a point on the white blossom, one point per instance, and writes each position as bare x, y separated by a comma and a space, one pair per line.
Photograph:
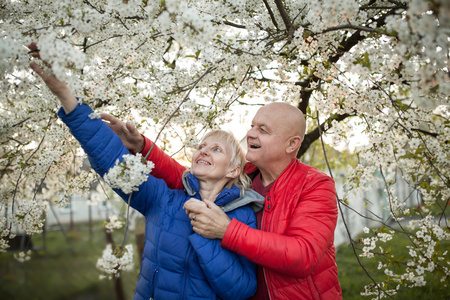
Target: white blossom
129, 174
114, 260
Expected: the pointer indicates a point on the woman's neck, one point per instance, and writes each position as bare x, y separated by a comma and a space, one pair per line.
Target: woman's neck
210, 191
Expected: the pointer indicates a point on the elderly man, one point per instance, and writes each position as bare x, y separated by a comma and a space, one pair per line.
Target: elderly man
293, 245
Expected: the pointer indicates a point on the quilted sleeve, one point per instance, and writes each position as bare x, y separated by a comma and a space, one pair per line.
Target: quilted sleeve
309, 234
231, 275
104, 148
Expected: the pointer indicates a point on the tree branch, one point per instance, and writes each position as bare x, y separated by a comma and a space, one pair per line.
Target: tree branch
272, 16
283, 13
315, 134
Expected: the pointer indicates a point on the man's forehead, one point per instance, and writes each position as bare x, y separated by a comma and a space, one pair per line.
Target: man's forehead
263, 120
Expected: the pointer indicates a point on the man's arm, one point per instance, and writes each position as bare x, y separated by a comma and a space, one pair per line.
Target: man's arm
130, 136
166, 167
297, 252
308, 236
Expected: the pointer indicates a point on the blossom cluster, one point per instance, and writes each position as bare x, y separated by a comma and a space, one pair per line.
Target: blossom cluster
424, 255
23, 256
29, 216
113, 223
114, 260
129, 174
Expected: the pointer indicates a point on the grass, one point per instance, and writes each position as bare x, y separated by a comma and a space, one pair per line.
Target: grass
59, 273
353, 278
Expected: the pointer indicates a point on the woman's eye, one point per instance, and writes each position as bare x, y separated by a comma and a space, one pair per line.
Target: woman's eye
217, 149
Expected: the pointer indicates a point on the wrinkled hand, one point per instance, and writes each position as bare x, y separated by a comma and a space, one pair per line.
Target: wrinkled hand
130, 136
210, 221
57, 87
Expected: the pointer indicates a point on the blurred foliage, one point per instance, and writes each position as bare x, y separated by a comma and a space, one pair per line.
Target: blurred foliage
64, 269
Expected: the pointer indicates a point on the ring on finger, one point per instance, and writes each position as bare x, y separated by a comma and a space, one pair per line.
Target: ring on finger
193, 217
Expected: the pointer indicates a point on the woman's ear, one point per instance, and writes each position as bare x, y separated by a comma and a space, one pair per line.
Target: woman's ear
234, 172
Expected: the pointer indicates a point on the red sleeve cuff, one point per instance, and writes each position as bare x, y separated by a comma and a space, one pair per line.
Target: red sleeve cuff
147, 145
230, 235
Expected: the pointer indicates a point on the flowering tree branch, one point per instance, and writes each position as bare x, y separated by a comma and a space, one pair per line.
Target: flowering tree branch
375, 69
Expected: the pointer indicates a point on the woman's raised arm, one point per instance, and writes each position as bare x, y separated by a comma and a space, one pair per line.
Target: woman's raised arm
57, 87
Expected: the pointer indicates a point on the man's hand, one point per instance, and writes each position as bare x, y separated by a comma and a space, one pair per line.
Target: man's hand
207, 219
130, 136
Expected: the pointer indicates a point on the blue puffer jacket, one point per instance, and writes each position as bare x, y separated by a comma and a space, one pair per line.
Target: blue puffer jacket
177, 263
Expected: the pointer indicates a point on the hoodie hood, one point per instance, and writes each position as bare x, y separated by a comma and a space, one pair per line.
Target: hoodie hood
229, 198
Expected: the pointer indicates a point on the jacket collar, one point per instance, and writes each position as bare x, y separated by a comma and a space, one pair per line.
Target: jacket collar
192, 187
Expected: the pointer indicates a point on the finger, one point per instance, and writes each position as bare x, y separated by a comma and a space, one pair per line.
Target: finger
32, 46
209, 204
188, 204
34, 51
196, 230
197, 227
109, 118
37, 68
131, 128
194, 205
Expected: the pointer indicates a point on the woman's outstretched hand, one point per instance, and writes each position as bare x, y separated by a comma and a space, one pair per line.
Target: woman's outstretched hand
57, 87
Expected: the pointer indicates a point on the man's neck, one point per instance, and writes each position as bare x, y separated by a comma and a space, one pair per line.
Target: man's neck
266, 179
268, 176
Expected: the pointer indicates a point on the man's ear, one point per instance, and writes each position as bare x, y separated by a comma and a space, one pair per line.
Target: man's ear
234, 172
294, 144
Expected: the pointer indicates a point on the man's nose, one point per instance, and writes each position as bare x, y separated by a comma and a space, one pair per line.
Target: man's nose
251, 132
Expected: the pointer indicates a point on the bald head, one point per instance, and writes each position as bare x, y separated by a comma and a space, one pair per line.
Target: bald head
276, 135
287, 117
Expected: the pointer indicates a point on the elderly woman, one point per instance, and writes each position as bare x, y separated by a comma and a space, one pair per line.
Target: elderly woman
177, 262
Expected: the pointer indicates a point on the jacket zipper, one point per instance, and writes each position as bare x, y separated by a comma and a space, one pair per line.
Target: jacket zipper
186, 272
264, 269
153, 284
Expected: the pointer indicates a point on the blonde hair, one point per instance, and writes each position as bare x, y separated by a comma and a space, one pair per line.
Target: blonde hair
237, 158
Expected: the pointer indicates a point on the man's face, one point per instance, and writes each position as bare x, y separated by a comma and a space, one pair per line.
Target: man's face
266, 140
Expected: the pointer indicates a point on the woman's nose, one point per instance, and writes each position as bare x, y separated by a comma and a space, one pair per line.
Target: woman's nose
203, 151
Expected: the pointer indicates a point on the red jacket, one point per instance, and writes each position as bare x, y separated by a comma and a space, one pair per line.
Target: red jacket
296, 242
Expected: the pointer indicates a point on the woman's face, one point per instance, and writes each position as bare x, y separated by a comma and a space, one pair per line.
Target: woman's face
211, 161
